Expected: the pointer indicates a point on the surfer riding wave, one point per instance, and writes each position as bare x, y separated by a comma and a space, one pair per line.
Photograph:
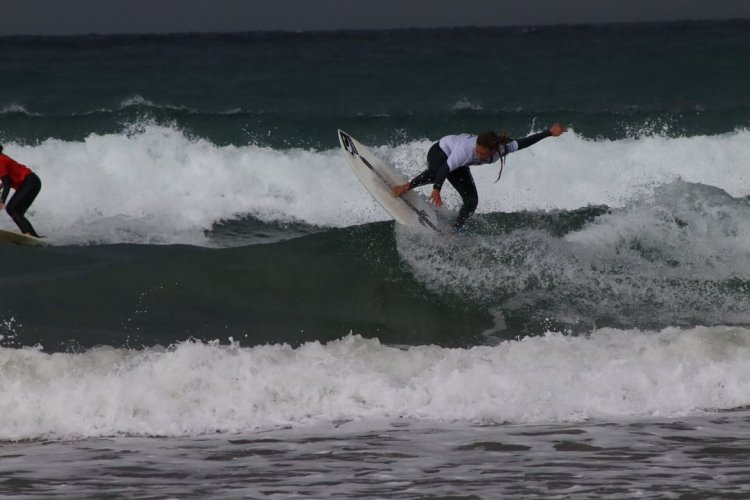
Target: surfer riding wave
27, 186
451, 157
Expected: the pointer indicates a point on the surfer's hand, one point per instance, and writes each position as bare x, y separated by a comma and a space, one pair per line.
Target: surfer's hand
2, 205
400, 189
436, 199
557, 130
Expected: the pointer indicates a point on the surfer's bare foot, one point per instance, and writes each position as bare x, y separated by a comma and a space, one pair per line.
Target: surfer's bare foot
400, 189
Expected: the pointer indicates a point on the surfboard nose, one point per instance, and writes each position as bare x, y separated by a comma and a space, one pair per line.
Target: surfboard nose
379, 178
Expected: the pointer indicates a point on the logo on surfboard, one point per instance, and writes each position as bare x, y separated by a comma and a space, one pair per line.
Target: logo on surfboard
348, 145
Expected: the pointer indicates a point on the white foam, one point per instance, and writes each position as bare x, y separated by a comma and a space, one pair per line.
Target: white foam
159, 186
700, 227
13, 108
465, 103
680, 253
138, 100
156, 184
204, 388
570, 171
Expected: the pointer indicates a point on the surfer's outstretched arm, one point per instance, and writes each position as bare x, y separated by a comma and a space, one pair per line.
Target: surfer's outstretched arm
554, 131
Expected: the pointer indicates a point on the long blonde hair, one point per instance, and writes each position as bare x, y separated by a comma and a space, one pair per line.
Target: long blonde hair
494, 140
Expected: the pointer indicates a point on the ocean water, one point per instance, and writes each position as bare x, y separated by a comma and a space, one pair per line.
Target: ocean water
225, 312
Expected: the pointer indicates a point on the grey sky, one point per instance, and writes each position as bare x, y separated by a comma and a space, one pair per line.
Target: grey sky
44, 17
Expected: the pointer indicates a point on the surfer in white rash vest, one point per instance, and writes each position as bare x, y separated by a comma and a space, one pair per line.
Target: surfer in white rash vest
451, 157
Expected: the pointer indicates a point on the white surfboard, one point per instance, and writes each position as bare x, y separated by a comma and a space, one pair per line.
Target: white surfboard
411, 209
13, 238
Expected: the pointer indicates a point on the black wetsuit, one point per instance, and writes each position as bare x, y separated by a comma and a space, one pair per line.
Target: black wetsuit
460, 178
21, 201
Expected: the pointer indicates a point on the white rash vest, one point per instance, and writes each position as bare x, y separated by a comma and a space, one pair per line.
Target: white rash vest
460, 150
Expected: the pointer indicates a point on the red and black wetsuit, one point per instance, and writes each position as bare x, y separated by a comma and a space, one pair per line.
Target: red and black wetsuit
27, 185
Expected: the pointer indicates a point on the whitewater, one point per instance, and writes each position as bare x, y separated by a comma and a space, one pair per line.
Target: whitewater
196, 388
224, 311
157, 184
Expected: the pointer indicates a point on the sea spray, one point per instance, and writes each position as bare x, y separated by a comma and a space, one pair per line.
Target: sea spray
157, 184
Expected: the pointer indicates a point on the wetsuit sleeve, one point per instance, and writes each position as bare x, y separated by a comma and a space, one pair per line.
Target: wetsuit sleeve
6, 188
458, 158
532, 139
440, 176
